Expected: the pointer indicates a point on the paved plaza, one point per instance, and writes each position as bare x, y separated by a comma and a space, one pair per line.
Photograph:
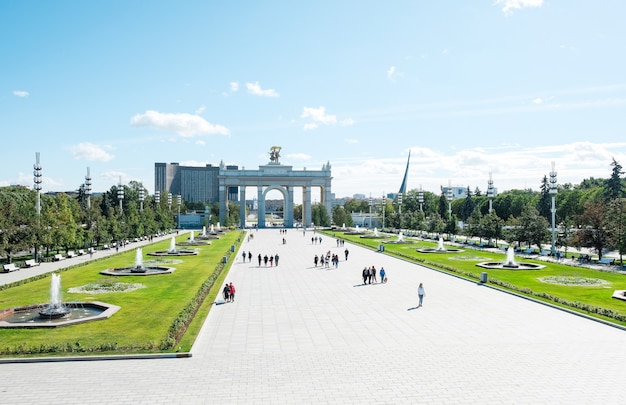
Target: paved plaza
301, 334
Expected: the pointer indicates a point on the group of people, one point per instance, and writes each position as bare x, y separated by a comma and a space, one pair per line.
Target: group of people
229, 292
272, 260
325, 260
369, 275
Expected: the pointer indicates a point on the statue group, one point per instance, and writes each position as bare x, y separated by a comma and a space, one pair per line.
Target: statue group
274, 153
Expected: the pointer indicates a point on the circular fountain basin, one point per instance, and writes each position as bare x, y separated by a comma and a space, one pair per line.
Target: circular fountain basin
510, 266
437, 250
77, 312
138, 271
177, 252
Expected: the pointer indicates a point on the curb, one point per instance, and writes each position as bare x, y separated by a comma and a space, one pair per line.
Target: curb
96, 358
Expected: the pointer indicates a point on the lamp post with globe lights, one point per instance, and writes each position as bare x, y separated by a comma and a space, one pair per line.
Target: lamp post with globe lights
552, 191
420, 198
38, 180
491, 192
142, 196
180, 201
88, 189
120, 194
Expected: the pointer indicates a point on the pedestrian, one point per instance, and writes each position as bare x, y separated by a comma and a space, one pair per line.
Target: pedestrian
271, 261
250, 257
382, 272
232, 292
259, 259
265, 259
346, 252
244, 256
366, 274
420, 293
315, 260
276, 259
226, 292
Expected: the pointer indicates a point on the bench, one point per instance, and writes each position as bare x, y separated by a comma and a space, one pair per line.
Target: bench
529, 251
10, 267
607, 261
105, 247
31, 263
81, 252
71, 254
58, 257
545, 253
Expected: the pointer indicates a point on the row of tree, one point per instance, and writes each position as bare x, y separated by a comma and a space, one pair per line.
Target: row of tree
591, 214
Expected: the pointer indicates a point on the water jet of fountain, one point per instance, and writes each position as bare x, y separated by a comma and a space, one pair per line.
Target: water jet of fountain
212, 229
510, 258
203, 230
138, 258
191, 236
219, 227
172, 248
375, 231
440, 244
55, 308
400, 237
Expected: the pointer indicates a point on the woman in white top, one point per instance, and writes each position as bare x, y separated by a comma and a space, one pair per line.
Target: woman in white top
420, 293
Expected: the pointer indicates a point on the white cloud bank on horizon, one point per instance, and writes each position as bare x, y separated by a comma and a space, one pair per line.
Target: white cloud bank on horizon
183, 124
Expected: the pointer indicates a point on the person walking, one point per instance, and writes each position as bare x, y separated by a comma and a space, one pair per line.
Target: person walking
382, 273
232, 292
226, 292
420, 293
259, 259
366, 274
250, 257
243, 255
374, 274
276, 259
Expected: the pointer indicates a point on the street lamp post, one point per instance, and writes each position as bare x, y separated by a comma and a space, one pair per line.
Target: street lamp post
142, 196
449, 197
88, 189
157, 199
400, 209
383, 201
420, 198
38, 180
490, 193
169, 201
120, 193
552, 191
370, 204
180, 201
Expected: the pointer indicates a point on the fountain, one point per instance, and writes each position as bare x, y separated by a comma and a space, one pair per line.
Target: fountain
172, 251
191, 241
374, 235
354, 231
205, 236
440, 248
55, 309
138, 269
56, 312
510, 263
400, 239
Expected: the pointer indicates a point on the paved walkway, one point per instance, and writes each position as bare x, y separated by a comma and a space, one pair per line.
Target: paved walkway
300, 334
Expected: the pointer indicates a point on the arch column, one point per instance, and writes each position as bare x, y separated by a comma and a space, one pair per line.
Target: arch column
288, 215
306, 206
223, 199
242, 207
261, 207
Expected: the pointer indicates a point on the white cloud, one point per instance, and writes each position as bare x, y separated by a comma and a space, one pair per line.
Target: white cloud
390, 72
91, 152
193, 163
319, 115
352, 141
298, 156
234, 86
185, 125
21, 93
309, 126
538, 100
509, 5
114, 176
200, 110
255, 88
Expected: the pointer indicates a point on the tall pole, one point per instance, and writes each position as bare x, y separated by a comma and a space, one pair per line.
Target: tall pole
38, 180
142, 196
400, 209
449, 196
180, 201
420, 198
383, 205
120, 194
552, 191
88, 188
490, 192
370, 203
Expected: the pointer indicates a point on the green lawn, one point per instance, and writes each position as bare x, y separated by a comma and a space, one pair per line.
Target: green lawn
146, 314
567, 287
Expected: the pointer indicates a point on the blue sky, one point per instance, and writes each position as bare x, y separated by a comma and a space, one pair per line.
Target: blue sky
469, 87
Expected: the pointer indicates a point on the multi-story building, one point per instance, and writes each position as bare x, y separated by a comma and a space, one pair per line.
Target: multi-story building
193, 183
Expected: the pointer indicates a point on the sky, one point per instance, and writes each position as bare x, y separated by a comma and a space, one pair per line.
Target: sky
470, 88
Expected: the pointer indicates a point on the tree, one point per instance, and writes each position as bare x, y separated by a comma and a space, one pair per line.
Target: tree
468, 206
613, 186
593, 233
320, 215
532, 227
545, 202
615, 222
341, 217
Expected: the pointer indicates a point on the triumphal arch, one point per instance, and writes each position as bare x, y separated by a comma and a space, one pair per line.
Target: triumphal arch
275, 176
